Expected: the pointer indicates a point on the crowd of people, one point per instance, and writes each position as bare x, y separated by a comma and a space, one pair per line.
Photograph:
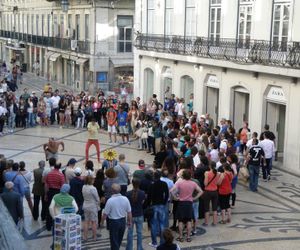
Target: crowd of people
193, 176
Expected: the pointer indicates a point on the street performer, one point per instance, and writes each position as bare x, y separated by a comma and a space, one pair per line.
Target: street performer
51, 148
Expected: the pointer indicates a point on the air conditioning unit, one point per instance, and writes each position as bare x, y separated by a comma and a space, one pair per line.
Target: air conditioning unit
73, 44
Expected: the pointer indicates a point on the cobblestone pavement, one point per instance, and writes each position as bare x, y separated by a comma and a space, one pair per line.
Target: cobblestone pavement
268, 219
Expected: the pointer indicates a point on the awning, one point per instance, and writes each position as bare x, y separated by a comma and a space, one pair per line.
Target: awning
48, 54
74, 58
81, 60
54, 57
121, 62
15, 48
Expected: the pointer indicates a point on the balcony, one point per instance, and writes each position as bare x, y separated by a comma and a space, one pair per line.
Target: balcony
283, 54
55, 42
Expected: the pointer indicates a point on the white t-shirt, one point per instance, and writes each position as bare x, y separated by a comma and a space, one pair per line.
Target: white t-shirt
180, 107
223, 145
55, 100
214, 155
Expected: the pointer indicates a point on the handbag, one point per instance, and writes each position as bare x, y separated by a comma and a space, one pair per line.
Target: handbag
244, 173
144, 134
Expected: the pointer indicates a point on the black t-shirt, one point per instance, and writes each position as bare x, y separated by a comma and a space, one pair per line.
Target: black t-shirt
256, 152
137, 206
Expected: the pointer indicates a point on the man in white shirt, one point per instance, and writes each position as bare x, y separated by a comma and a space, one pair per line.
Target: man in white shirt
196, 158
3, 112
269, 150
54, 106
117, 208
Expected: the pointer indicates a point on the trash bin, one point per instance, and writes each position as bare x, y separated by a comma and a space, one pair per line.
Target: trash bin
24, 67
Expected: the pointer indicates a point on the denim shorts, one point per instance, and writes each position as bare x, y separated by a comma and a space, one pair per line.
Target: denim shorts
196, 209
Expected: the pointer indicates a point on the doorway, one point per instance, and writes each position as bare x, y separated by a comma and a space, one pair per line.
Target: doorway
275, 118
240, 107
212, 103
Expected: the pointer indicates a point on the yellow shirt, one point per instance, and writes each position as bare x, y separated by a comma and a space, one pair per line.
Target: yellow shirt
93, 130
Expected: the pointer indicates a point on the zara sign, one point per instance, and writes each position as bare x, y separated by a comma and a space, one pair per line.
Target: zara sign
276, 94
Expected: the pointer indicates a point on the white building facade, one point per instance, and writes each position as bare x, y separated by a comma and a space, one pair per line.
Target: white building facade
240, 59
79, 43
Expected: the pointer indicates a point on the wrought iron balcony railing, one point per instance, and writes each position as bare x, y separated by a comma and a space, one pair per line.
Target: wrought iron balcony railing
284, 54
56, 42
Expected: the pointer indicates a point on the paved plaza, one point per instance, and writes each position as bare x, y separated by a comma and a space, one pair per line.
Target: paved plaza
269, 219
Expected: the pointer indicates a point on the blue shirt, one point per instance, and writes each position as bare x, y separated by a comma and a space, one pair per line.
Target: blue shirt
18, 180
122, 118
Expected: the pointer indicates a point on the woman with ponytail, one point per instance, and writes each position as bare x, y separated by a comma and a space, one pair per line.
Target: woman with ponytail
210, 195
136, 198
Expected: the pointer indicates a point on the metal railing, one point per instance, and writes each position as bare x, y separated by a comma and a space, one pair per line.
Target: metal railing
284, 54
56, 42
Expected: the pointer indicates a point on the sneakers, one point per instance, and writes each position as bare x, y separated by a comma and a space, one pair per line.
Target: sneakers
269, 177
152, 245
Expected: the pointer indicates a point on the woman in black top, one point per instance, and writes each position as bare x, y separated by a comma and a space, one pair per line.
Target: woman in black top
61, 110
98, 184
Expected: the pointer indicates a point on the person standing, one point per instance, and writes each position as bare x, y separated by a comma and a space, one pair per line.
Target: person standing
255, 158
38, 191
54, 180
93, 130
15, 177
13, 202
111, 117
91, 205
117, 208
123, 125
184, 189
269, 149
158, 197
54, 106
69, 172
122, 170
76, 185
136, 198
3, 112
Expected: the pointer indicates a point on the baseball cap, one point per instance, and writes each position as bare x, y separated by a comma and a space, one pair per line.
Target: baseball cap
72, 161
78, 171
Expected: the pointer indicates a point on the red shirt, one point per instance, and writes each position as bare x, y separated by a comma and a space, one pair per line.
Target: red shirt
225, 187
212, 186
55, 179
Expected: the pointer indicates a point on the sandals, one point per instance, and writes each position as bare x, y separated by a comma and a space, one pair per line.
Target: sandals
180, 239
222, 222
188, 239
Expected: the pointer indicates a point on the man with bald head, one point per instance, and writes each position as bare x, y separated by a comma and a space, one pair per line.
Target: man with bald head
117, 208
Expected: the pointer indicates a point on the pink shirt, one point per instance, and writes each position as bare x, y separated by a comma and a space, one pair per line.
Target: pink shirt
185, 189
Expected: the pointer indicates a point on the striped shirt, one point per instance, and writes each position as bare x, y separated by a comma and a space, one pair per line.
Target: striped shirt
55, 179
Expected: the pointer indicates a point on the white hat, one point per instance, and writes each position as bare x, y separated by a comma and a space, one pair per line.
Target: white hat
78, 171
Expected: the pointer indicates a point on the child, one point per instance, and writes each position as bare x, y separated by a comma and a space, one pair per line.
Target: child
168, 244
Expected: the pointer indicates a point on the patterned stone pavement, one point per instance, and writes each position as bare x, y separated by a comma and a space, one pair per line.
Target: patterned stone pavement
268, 219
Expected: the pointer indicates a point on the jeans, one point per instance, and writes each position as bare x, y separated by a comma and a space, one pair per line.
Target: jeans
30, 120
157, 223
11, 121
116, 232
253, 179
36, 202
167, 215
49, 220
138, 222
53, 114
266, 170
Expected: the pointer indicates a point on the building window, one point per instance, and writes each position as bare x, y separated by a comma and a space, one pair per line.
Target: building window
169, 12
48, 24
215, 20
77, 26
281, 19
245, 20
101, 77
190, 18
150, 16
37, 24
124, 24
32, 24
62, 25
55, 26
87, 24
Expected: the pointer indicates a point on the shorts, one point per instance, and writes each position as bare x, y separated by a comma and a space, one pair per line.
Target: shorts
111, 129
224, 201
210, 196
51, 155
123, 130
196, 209
90, 214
